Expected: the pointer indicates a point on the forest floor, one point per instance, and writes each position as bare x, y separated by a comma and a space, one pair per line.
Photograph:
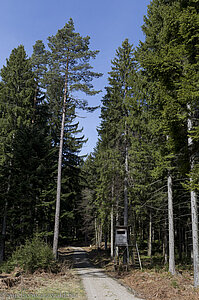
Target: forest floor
64, 284
149, 283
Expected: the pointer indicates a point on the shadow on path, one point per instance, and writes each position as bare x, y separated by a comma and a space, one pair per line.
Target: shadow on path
96, 283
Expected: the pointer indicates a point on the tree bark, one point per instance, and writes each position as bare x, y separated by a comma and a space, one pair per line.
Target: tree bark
117, 211
149, 252
126, 181
126, 190
194, 218
171, 227
194, 210
112, 233
96, 235
57, 211
99, 230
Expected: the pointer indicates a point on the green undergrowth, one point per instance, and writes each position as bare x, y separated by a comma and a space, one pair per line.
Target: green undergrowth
34, 255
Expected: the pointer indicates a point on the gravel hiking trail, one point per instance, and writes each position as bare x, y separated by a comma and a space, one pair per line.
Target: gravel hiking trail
97, 284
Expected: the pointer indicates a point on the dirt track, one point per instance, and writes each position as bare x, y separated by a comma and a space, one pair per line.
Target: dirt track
97, 284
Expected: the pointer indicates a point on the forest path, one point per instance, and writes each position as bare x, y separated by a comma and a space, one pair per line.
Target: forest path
97, 284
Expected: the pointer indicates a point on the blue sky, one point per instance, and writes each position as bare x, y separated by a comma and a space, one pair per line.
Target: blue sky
107, 22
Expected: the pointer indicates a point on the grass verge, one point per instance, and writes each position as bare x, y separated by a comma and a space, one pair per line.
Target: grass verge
41, 285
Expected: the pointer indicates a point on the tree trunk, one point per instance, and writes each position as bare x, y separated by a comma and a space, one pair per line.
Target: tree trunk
99, 230
126, 181
96, 235
57, 211
149, 252
125, 190
117, 211
194, 211
194, 218
112, 233
171, 227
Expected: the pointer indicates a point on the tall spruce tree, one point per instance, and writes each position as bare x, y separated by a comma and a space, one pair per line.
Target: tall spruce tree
69, 71
114, 130
16, 103
114, 143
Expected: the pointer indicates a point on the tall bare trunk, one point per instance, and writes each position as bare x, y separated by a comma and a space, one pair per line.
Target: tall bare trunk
112, 233
194, 211
126, 190
96, 235
194, 218
117, 211
57, 210
126, 181
150, 235
99, 235
171, 226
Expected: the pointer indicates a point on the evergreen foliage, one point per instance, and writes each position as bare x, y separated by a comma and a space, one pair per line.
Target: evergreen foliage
33, 255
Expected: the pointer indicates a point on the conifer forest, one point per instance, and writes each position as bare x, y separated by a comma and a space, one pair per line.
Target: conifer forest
144, 171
